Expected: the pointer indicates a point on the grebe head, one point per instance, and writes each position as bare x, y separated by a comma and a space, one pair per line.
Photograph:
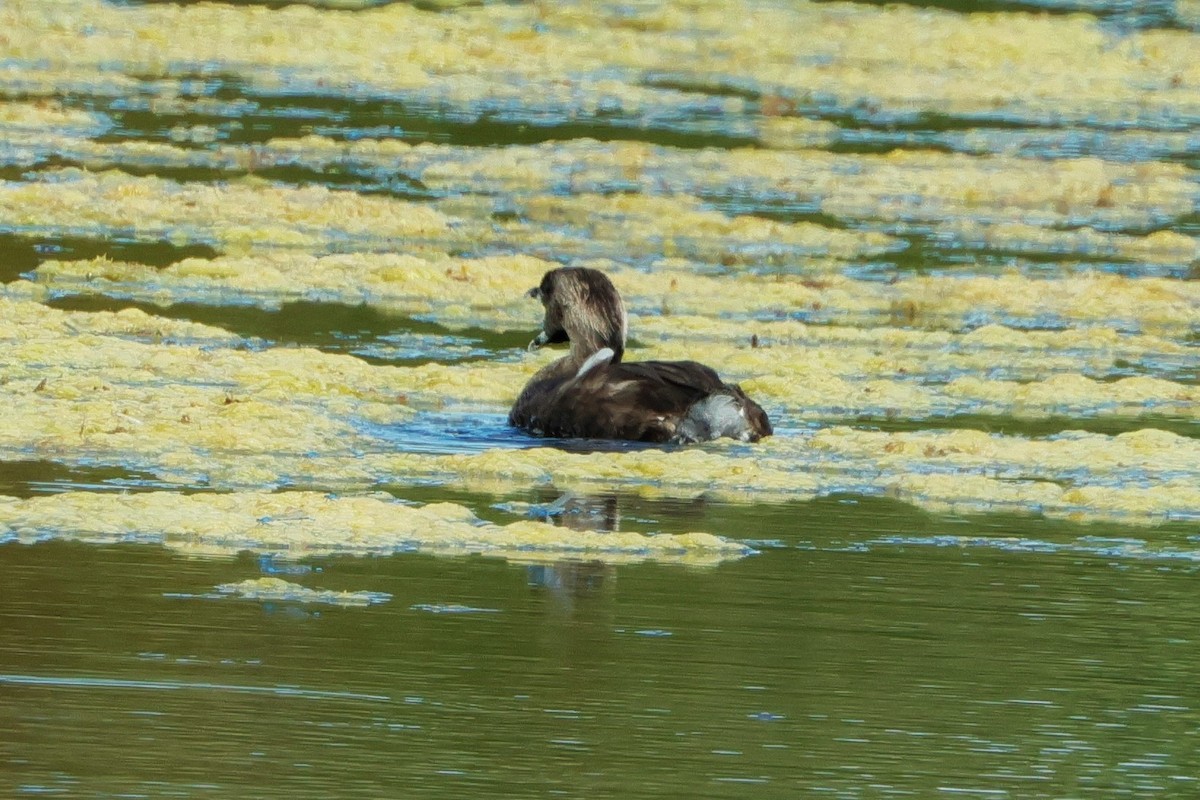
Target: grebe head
583, 308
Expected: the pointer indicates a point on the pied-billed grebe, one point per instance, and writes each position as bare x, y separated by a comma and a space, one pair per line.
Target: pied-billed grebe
592, 394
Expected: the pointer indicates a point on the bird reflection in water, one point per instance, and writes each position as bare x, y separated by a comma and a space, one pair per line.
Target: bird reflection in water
568, 581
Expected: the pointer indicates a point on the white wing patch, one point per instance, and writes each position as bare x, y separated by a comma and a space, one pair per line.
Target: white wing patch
602, 356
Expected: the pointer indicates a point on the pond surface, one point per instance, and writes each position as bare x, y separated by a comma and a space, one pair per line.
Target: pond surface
964, 566
842, 661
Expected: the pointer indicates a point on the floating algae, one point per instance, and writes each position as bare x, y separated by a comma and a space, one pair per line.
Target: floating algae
1143, 477
279, 590
113, 387
493, 66
951, 247
298, 525
238, 215
808, 372
942, 245
1001, 202
118, 389
470, 291
933, 59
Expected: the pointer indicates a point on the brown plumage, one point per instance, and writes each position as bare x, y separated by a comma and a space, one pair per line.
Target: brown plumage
591, 393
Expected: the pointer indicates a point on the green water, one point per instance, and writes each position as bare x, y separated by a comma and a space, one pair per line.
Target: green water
828, 665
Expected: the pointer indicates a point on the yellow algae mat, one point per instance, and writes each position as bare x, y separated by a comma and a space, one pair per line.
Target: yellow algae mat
311, 524
600, 51
120, 391
277, 589
929, 317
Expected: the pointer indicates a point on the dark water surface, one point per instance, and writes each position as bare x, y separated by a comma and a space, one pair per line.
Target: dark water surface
831, 664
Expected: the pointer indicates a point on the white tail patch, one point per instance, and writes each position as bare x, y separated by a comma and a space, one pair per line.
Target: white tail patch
711, 418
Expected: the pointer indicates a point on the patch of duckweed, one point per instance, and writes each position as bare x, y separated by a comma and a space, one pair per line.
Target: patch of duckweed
238, 215
190, 188
298, 525
269, 590
619, 196
469, 292
148, 394
500, 56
